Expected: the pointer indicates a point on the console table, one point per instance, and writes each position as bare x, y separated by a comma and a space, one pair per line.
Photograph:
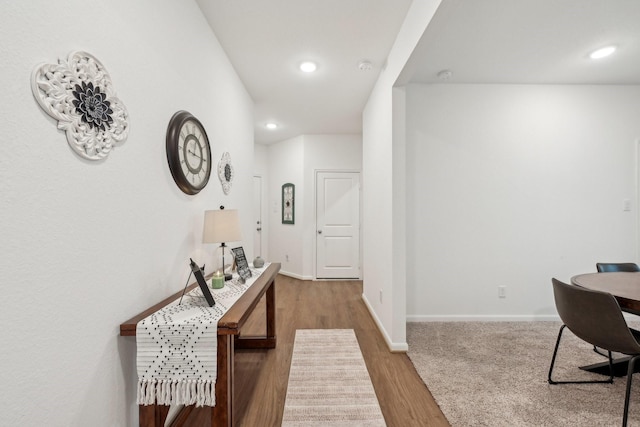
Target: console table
229, 338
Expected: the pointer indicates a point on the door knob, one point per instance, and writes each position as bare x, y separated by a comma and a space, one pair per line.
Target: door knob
258, 229
319, 231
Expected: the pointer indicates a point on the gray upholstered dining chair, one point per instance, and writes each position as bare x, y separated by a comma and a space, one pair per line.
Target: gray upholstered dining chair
610, 267
596, 318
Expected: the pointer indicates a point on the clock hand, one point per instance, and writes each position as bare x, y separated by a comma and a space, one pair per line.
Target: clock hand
194, 153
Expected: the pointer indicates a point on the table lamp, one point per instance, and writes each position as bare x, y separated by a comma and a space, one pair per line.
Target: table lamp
221, 226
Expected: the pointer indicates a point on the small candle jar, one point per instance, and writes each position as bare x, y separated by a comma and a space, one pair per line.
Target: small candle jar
217, 280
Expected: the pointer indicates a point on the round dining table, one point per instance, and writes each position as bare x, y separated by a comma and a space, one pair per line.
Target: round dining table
624, 286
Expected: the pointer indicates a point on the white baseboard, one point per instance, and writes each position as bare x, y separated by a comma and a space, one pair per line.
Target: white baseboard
483, 318
295, 275
315, 279
496, 318
393, 347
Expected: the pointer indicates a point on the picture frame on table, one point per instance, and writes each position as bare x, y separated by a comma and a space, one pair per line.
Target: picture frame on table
197, 272
241, 262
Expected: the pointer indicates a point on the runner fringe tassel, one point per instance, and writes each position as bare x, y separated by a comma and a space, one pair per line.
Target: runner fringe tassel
186, 392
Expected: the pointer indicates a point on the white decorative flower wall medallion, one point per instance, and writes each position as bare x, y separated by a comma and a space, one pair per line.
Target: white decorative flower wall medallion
225, 172
79, 94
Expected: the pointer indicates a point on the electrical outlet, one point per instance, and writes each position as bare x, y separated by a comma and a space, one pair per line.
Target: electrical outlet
502, 291
286, 257
380, 296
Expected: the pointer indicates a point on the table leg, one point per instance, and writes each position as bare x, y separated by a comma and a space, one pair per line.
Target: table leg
222, 413
152, 415
271, 312
269, 339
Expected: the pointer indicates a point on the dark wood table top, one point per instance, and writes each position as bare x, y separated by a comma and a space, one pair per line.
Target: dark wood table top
624, 286
232, 319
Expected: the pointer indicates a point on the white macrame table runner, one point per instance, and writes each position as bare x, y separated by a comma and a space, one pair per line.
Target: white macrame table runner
177, 347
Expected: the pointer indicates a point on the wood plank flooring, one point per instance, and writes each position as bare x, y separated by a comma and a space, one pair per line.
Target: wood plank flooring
262, 375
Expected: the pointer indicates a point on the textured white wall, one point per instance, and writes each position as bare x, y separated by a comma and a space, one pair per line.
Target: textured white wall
261, 169
381, 274
286, 165
513, 185
324, 152
87, 245
296, 160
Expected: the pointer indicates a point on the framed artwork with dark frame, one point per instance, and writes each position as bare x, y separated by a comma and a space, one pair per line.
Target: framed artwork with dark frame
197, 272
241, 262
288, 203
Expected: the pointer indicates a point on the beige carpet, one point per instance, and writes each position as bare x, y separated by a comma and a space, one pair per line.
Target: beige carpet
329, 384
495, 374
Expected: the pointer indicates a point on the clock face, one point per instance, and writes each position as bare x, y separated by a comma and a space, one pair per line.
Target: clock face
194, 153
188, 152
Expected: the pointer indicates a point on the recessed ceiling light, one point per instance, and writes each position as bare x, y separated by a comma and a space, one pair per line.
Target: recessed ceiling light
271, 126
603, 52
308, 66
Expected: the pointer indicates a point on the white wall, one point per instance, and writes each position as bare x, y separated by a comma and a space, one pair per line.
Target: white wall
286, 165
85, 245
512, 185
261, 169
382, 273
260, 160
296, 160
324, 152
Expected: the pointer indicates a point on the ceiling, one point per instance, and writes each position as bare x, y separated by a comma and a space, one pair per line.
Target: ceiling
530, 42
267, 40
479, 41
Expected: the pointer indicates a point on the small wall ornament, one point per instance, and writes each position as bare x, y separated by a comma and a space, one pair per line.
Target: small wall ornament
288, 203
79, 94
225, 172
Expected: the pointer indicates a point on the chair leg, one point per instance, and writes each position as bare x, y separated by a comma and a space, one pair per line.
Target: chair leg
630, 371
597, 350
555, 353
553, 361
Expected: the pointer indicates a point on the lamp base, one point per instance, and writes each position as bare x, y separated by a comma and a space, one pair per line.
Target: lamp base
227, 277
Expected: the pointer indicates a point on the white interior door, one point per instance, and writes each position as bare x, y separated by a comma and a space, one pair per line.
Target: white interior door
257, 216
338, 225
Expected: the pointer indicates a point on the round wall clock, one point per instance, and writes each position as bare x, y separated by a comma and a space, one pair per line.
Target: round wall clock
188, 152
225, 172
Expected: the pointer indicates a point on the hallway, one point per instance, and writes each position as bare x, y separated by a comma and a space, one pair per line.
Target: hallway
261, 376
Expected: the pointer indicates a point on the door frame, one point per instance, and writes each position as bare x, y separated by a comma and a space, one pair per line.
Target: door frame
316, 172
261, 250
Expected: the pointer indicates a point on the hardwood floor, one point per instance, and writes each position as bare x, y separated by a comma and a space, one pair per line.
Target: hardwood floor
262, 375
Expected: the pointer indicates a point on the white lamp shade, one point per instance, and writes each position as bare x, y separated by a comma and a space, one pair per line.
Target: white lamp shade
221, 226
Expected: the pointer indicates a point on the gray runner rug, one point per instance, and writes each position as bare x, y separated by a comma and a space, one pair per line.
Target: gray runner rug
495, 374
329, 384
